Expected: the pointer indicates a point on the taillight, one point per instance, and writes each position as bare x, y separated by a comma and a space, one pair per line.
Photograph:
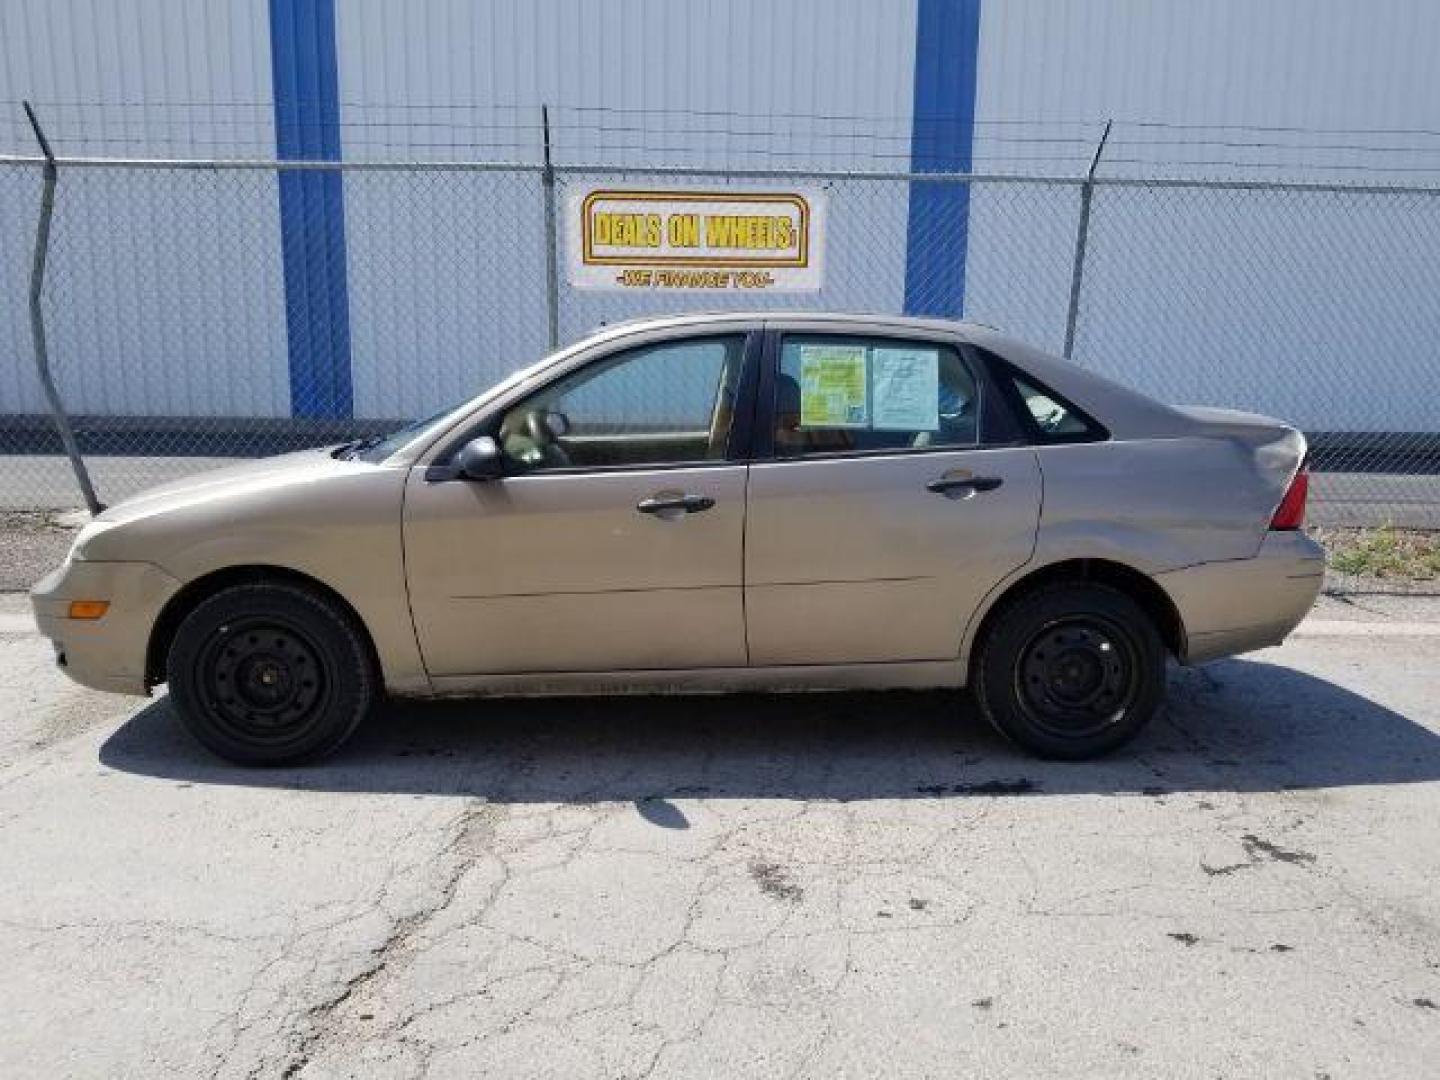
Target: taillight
1291, 512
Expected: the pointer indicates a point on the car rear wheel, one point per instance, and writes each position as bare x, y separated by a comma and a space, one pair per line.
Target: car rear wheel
1071, 670
270, 674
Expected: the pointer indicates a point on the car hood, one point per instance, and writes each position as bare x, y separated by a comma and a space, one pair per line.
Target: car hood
300, 467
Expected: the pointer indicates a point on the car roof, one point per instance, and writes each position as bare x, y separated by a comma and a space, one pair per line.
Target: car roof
692, 318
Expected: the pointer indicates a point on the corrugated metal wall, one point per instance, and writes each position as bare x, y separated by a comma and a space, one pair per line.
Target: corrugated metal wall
166, 289
441, 76
719, 84
157, 266
139, 76
709, 84
1303, 63
1311, 307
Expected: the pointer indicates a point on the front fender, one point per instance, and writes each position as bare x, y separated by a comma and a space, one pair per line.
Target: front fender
341, 528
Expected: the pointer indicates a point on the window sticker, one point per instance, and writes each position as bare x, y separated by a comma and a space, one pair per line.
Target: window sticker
906, 386
834, 389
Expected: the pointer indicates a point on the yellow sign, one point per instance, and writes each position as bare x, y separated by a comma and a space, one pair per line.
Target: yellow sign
678, 239
834, 389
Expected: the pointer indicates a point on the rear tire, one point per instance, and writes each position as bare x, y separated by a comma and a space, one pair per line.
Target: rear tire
1071, 670
270, 674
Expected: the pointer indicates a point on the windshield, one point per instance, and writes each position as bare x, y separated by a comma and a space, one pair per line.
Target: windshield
376, 448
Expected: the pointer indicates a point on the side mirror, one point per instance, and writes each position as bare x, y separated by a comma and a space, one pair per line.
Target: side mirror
480, 459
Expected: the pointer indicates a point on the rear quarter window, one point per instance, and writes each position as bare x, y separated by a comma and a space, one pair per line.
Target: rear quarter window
1045, 415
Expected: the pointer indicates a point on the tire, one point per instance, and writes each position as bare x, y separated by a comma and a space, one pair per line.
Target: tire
271, 674
1070, 671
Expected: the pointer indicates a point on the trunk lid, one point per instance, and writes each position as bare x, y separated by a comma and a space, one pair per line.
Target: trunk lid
1277, 448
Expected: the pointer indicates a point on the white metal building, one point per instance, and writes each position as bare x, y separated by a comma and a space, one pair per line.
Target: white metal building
178, 296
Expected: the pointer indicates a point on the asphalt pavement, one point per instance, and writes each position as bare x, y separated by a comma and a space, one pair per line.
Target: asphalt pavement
808, 886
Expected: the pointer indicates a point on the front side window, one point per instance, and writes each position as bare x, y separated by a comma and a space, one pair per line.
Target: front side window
661, 404
843, 394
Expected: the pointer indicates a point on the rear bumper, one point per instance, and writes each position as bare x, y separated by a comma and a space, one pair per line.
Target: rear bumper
106, 653
1244, 604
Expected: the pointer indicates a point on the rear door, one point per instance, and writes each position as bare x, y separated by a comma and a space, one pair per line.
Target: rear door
881, 511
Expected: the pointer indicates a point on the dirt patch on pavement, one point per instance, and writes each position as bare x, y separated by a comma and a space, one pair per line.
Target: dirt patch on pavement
775, 882
32, 543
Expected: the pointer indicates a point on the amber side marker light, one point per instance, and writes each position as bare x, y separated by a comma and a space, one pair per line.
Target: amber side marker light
88, 609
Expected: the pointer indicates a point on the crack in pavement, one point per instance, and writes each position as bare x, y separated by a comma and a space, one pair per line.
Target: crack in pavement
311, 1027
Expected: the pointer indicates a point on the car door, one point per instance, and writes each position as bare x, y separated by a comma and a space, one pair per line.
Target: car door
614, 539
879, 517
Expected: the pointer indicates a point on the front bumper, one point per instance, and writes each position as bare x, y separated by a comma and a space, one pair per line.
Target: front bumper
106, 653
1244, 604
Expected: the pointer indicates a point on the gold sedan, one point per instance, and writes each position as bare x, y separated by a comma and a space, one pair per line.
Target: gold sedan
712, 503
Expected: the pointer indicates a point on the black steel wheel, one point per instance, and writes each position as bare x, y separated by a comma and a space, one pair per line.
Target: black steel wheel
262, 679
270, 673
1070, 670
1078, 675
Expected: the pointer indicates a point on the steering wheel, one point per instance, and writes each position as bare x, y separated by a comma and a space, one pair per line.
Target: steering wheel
544, 429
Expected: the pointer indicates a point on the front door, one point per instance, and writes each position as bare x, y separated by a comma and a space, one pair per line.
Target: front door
880, 520
614, 542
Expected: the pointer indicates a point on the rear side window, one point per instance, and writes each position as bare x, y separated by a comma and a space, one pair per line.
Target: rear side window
846, 394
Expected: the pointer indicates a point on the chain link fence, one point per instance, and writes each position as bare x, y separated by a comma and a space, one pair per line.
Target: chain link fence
171, 345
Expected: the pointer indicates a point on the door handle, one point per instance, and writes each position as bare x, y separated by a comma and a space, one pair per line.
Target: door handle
963, 485
686, 504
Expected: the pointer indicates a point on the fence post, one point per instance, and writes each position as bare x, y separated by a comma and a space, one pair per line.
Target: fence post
552, 272
1082, 238
37, 317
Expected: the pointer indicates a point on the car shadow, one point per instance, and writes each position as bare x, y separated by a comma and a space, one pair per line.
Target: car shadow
1239, 725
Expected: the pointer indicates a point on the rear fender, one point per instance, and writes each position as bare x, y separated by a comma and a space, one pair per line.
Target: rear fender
1159, 504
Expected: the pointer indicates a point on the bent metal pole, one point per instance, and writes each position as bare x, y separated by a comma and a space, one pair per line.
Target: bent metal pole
1082, 238
37, 319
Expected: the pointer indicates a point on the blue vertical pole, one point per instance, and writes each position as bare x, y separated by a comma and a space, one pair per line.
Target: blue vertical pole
947, 50
312, 207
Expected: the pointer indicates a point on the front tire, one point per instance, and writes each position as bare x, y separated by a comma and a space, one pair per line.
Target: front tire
1071, 670
270, 674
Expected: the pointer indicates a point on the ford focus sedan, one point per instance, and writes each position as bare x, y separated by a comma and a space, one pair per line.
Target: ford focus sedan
711, 503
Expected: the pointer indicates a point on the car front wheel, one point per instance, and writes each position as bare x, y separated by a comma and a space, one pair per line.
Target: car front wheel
1070, 670
270, 673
